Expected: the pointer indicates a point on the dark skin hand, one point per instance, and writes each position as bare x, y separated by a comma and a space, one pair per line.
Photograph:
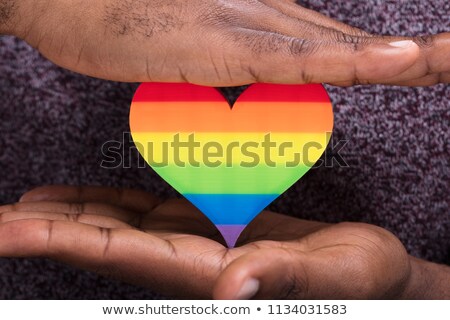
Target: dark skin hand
171, 247
220, 43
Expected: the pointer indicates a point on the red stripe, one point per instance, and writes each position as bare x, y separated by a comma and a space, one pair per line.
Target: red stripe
175, 92
285, 93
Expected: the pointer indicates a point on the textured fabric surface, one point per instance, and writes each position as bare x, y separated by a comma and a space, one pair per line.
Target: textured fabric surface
54, 122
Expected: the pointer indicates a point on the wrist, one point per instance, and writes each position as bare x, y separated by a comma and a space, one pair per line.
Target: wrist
427, 281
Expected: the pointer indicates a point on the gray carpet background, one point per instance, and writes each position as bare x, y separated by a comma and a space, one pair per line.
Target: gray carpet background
53, 123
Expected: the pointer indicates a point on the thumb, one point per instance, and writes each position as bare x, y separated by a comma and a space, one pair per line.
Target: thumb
265, 274
282, 59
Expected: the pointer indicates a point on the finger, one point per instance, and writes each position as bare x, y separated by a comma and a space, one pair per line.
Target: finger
274, 58
292, 9
277, 21
270, 19
96, 220
173, 216
289, 274
168, 220
319, 267
278, 227
434, 50
74, 209
267, 273
128, 199
425, 81
429, 80
432, 65
66, 239
125, 254
179, 216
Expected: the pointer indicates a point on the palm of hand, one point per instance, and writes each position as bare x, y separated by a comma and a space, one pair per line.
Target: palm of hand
171, 247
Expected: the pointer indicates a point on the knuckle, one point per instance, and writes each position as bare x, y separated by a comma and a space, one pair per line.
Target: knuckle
300, 47
358, 82
16, 216
306, 77
426, 41
254, 73
354, 43
294, 288
72, 217
340, 36
360, 33
8, 207
296, 283
269, 43
49, 235
106, 237
76, 208
217, 15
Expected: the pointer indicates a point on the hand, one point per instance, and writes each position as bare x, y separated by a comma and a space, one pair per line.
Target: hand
171, 247
220, 43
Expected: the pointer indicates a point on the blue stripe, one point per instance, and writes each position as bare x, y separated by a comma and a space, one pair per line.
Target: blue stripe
231, 208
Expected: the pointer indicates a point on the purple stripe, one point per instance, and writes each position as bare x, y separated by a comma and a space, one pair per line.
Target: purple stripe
230, 232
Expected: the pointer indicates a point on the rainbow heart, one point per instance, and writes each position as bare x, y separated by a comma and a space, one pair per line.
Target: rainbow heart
231, 162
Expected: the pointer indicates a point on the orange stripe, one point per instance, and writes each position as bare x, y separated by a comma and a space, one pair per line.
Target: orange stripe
218, 117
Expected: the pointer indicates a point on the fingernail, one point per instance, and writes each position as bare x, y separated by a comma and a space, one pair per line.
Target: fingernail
404, 44
248, 289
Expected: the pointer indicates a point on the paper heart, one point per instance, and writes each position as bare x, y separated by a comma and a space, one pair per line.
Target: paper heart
231, 162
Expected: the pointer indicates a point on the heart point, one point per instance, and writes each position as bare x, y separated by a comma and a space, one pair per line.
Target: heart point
231, 233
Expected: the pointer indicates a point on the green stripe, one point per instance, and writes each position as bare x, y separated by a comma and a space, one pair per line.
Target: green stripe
234, 180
